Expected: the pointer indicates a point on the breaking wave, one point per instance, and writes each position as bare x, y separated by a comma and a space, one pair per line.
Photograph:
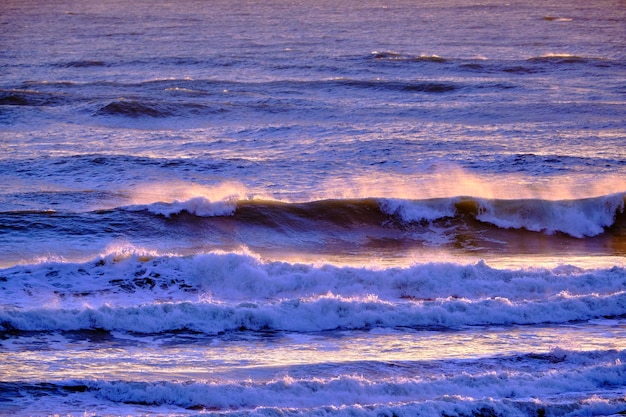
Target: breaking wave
222, 292
513, 389
577, 218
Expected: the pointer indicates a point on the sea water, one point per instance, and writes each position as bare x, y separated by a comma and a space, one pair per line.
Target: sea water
298, 208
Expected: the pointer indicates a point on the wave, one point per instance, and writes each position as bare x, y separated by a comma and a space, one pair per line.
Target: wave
417, 86
199, 206
569, 61
224, 292
245, 277
532, 65
535, 64
355, 230
208, 87
154, 109
83, 64
577, 218
245, 96
396, 56
550, 18
560, 59
228, 218
412, 392
21, 97
518, 386
175, 97
321, 314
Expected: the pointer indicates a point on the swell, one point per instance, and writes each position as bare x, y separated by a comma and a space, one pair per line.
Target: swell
163, 98
192, 98
400, 57
182, 97
155, 109
534, 64
31, 98
186, 98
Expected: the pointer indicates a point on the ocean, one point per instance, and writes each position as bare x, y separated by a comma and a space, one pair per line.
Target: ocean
366, 208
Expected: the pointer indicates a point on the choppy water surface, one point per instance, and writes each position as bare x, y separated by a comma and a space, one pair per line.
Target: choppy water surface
311, 208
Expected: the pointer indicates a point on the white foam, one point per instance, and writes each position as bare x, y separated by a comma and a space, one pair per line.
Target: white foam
170, 197
578, 218
225, 291
199, 206
316, 314
414, 211
514, 391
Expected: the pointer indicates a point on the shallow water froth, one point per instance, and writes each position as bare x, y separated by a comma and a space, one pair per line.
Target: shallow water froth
247, 372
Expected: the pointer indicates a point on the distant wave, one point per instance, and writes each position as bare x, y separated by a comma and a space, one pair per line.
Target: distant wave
566, 59
83, 64
154, 109
396, 56
423, 86
550, 18
240, 96
536, 64
559, 58
20, 97
155, 100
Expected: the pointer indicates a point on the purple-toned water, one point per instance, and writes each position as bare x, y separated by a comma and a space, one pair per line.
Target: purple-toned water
312, 208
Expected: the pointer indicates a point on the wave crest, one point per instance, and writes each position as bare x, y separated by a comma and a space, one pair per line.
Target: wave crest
168, 199
198, 206
577, 218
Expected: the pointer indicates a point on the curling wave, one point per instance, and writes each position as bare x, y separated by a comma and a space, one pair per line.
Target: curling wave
577, 218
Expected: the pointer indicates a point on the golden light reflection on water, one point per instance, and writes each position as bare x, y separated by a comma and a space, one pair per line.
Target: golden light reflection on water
274, 355
407, 259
